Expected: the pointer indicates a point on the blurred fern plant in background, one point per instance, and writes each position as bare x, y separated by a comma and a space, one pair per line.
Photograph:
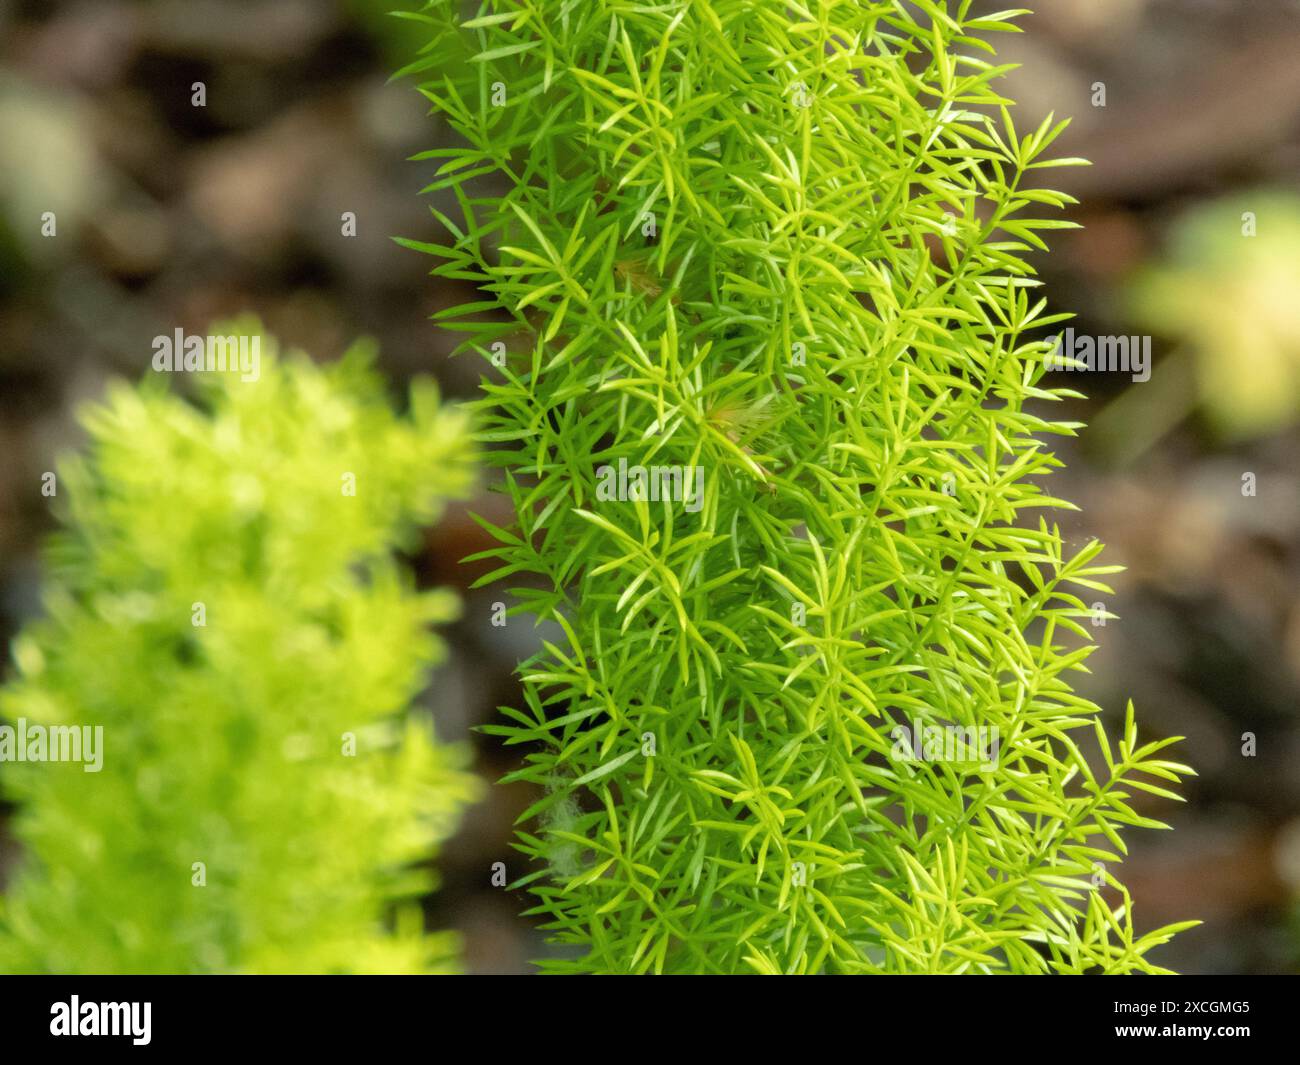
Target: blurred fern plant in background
783, 245
234, 619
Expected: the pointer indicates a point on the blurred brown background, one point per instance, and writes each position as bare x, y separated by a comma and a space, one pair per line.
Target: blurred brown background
170, 215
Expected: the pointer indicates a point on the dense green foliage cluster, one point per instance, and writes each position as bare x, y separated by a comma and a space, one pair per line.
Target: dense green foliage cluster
784, 244
232, 616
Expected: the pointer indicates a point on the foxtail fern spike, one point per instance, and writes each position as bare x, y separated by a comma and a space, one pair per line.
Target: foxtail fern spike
223, 603
778, 252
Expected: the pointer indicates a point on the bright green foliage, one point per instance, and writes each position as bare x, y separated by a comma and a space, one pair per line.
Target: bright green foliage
228, 743
1225, 297
830, 313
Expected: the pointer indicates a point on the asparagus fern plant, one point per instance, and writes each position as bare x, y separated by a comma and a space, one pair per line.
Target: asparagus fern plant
778, 251
223, 605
